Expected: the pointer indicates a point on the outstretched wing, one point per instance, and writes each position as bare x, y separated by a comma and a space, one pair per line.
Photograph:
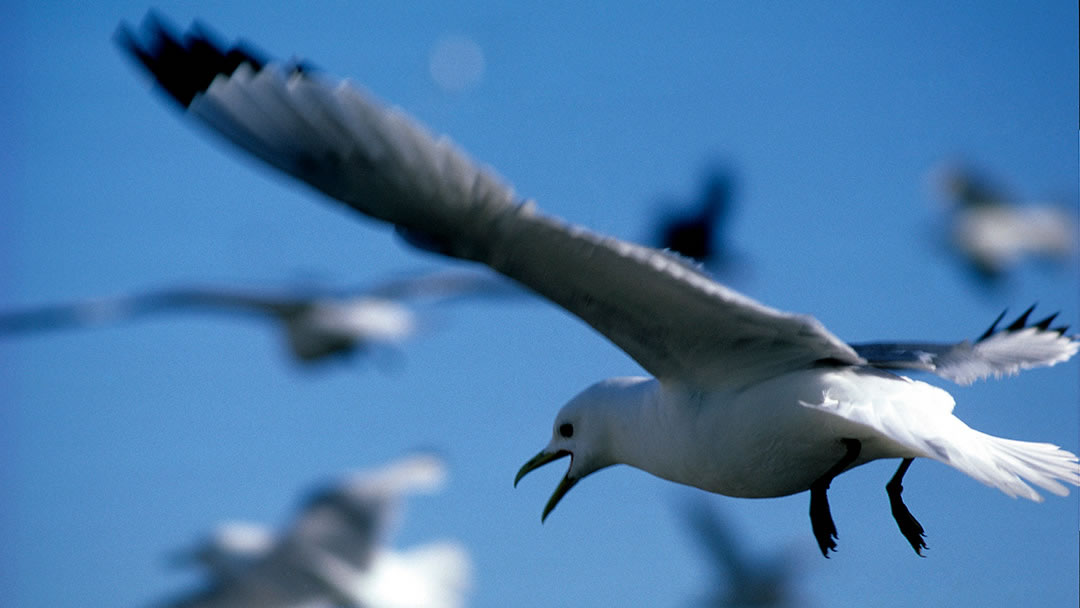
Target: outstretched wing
996, 353
104, 311
273, 580
351, 519
672, 319
88, 313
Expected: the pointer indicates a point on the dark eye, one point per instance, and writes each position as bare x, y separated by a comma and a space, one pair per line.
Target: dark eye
566, 430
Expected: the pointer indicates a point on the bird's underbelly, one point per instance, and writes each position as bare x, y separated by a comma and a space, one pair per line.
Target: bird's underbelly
766, 443
768, 462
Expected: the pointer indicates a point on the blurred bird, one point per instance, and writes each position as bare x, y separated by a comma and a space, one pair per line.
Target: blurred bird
334, 553
318, 325
229, 551
698, 233
994, 233
749, 582
745, 400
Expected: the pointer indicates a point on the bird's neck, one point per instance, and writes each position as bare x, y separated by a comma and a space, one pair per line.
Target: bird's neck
640, 430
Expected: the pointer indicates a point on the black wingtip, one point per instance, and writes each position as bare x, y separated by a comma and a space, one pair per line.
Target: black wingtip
183, 65
993, 327
1021, 321
1045, 323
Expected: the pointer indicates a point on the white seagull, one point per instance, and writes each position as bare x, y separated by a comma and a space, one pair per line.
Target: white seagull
746, 400
334, 553
994, 233
318, 325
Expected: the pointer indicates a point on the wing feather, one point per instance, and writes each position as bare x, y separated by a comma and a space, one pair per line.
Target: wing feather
103, 311
671, 318
998, 352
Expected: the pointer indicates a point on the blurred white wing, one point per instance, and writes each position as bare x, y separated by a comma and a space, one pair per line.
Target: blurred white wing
318, 323
435, 575
101, 311
332, 546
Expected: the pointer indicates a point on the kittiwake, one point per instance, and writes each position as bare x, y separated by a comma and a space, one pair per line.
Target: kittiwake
745, 400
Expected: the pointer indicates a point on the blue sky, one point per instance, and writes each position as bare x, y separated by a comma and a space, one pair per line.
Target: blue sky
119, 444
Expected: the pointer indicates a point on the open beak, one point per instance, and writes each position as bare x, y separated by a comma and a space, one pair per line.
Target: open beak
564, 486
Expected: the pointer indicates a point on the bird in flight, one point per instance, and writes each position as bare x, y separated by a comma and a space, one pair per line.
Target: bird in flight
749, 581
993, 233
698, 233
318, 325
744, 400
335, 552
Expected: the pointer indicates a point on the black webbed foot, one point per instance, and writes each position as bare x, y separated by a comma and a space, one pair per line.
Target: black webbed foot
821, 521
909, 526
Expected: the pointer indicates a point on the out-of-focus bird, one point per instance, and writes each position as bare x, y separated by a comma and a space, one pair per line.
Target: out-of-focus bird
744, 399
318, 325
746, 580
698, 232
335, 552
993, 232
229, 550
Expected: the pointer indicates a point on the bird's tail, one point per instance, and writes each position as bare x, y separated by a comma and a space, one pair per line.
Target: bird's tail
918, 417
1011, 465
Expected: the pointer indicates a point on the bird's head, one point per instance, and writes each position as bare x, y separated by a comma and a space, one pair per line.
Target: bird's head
584, 430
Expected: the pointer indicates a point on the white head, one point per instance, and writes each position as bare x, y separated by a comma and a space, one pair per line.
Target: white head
230, 549
586, 428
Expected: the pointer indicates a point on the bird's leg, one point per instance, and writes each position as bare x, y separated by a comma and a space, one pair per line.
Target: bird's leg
909, 526
821, 520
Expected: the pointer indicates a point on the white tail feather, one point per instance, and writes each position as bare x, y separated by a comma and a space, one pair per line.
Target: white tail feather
1010, 465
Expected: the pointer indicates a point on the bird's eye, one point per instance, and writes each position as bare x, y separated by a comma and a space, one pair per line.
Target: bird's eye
566, 430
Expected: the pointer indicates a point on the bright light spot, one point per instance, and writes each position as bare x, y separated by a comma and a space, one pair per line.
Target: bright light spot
456, 63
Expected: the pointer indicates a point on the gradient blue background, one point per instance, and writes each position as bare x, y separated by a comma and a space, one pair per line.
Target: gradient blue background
120, 444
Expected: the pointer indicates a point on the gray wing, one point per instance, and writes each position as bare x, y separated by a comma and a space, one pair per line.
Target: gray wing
277, 579
321, 557
267, 575
88, 313
103, 311
996, 353
251, 592
344, 524
671, 318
